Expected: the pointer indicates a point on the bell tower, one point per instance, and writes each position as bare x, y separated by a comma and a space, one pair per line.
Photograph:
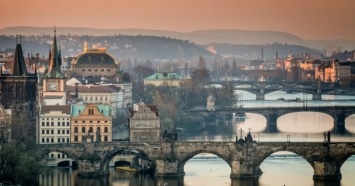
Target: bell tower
54, 84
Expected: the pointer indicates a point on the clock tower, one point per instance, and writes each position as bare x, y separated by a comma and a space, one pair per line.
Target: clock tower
54, 81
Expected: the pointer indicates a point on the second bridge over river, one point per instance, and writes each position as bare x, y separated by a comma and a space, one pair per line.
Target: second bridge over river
338, 113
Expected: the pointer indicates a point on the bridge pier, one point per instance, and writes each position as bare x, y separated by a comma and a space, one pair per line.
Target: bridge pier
339, 123
90, 169
317, 96
260, 96
242, 169
326, 169
271, 123
167, 168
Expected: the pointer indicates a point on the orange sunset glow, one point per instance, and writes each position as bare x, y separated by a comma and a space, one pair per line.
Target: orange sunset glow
308, 19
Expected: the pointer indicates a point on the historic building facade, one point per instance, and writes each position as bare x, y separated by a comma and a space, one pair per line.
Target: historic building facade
54, 124
144, 123
91, 123
96, 62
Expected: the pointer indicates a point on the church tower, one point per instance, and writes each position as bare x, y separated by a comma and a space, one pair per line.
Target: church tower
53, 82
18, 89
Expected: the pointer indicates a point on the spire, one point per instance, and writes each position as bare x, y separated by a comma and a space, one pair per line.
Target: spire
59, 58
19, 66
54, 60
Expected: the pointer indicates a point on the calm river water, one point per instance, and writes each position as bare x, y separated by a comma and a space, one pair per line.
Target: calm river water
209, 170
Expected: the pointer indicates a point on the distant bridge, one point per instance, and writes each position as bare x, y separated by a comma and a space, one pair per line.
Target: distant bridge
260, 88
338, 113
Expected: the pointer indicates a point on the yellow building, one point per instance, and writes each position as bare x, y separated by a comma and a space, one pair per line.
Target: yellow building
144, 123
91, 123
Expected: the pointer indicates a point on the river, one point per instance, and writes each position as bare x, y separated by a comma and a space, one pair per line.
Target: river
209, 170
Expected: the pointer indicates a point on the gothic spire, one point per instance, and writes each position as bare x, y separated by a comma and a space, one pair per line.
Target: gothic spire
54, 60
19, 66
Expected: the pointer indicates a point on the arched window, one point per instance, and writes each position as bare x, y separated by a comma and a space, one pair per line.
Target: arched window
76, 130
63, 140
83, 130
90, 129
106, 130
43, 140
47, 139
52, 155
52, 140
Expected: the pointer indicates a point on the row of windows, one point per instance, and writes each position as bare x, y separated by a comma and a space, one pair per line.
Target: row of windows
92, 98
83, 138
96, 70
83, 129
58, 156
59, 140
52, 131
58, 124
55, 118
90, 121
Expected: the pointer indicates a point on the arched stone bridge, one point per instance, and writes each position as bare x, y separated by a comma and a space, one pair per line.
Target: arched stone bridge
338, 113
260, 88
244, 158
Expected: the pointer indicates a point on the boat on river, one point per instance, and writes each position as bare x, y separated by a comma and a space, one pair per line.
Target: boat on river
126, 168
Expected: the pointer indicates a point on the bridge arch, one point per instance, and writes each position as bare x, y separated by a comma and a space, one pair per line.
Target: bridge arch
267, 154
104, 165
184, 159
59, 150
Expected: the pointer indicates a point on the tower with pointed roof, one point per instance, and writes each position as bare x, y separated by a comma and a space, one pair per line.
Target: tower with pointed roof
53, 81
18, 87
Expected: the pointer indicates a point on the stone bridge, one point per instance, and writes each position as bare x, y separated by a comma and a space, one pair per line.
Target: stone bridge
338, 113
244, 158
260, 88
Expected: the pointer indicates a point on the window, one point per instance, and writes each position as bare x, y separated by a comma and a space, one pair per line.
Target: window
75, 121
58, 155
52, 131
108, 70
63, 123
42, 124
52, 155
98, 129
47, 131
52, 140
90, 121
83, 130
42, 140
89, 70
47, 139
67, 140
105, 138
83, 70
90, 129
47, 123
83, 121
43, 131
106, 130
52, 123
58, 140
102, 70
75, 138
68, 130
98, 121
95, 70
58, 124
76, 130
63, 156
91, 111
58, 131
63, 140
68, 124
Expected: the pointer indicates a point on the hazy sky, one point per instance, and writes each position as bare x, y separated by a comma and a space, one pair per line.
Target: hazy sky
309, 19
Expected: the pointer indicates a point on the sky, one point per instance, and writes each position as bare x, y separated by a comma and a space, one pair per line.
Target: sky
308, 19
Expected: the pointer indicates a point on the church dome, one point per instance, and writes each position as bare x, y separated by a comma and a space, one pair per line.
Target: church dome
95, 57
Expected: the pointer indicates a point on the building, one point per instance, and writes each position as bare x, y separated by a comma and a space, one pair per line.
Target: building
54, 124
163, 78
91, 123
95, 62
52, 89
18, 91
105, 94
334, 71
144, 123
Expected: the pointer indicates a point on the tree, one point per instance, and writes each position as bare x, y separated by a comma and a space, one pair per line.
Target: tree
201, 63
